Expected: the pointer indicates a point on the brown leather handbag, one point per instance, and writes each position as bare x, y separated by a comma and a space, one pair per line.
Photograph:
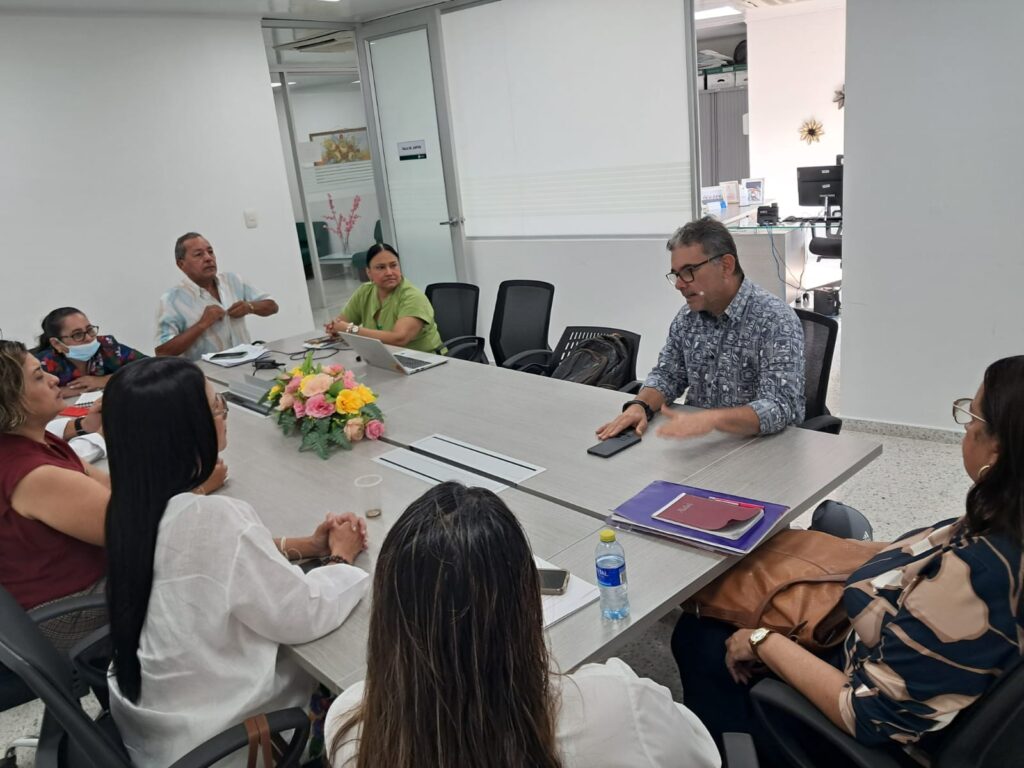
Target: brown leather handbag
258, 730
793, 584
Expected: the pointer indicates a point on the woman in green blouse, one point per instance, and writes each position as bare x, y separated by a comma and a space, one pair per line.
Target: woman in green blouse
389, 307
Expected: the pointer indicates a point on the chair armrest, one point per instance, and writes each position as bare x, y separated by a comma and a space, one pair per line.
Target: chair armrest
824, 423
90, 658
467, 348
739, 751
777, 706
530, 361
67, 605
236, 738
633, 388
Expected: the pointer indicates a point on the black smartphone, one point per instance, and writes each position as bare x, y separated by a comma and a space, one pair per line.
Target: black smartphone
613, 445
553, 581
227, 355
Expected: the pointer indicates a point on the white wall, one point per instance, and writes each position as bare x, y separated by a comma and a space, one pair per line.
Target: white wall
796, 59
932, 259
120, 133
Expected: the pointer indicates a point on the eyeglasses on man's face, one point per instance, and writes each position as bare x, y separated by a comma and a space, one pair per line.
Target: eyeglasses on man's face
685, 275
963, 412
89, 332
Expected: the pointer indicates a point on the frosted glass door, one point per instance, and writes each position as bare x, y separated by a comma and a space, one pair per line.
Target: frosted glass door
407, 124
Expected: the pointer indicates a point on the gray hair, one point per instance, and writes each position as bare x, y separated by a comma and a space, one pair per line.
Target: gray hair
712, 235
179, 244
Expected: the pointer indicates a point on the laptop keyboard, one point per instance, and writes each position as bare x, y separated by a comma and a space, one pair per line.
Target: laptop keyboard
411, 362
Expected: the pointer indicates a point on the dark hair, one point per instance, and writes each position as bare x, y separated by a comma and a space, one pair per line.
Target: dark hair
161, 441
12, 384
179, 244
378, 248
714, 238
996, 502
457, 666
52, 325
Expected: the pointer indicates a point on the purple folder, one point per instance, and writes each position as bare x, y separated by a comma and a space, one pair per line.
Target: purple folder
638, 510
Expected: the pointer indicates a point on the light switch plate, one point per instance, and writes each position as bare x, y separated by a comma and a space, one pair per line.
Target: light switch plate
251, 219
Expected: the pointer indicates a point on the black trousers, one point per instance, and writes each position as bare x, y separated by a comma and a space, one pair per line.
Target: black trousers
698, 645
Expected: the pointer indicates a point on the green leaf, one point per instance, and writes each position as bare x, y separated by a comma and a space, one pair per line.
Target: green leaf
371, 411
337, 436
336, 389
307, 425
307, 364
286, 420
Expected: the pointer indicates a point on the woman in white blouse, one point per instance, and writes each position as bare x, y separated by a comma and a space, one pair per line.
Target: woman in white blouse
458, 670
200, 594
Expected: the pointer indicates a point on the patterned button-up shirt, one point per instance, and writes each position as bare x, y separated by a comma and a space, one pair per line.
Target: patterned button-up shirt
753, 354
182, 306
108, 358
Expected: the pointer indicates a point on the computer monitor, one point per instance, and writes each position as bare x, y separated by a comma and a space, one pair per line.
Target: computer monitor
820, 185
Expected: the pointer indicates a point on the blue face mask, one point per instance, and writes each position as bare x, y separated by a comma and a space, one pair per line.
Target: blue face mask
84, 352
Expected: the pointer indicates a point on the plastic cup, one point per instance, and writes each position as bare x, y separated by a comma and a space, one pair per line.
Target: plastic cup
368, 494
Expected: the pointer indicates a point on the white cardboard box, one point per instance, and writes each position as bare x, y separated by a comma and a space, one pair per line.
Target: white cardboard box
721, 80
741, 77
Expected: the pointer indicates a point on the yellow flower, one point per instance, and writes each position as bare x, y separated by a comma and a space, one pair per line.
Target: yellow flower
365, 394
275, 390
296, 371
348, 401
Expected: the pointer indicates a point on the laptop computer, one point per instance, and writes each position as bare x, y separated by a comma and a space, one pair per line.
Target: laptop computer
375, 353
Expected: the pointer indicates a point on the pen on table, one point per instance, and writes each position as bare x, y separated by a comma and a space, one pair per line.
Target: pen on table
742, 504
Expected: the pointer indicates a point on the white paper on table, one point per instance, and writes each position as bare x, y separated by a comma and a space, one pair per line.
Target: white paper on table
578, 594
88, 398
433, 471
90, 447
477, 459
252, 352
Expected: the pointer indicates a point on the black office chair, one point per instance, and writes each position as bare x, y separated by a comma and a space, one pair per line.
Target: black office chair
830, 244
988, 734
69, 738
455, 311
522, 317
820, 334
544, 362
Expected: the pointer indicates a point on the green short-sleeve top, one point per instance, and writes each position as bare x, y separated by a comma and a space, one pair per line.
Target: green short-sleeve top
405, 301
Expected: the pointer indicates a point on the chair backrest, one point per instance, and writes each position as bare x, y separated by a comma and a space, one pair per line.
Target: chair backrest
28, 654
522, 317
574, 335
455, 308
989, 733
820, 334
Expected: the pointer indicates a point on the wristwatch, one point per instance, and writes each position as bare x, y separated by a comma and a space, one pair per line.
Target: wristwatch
757, 637
648, 411
79, 429
353, 328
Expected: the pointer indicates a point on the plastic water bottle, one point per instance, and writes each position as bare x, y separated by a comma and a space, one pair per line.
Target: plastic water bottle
611, 576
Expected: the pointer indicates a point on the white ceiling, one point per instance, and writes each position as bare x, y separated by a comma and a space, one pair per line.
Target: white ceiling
309, 10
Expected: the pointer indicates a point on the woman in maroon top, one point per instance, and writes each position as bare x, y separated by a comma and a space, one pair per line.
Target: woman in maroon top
52, 507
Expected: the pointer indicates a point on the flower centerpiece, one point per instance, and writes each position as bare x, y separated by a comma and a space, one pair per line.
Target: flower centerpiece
327, 405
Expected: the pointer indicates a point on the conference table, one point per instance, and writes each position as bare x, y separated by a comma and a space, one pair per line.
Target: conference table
534, 420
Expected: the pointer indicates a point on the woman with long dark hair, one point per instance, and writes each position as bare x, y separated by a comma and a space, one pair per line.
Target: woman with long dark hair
200, 594
72, 349
389, 308
936, 615
458, 672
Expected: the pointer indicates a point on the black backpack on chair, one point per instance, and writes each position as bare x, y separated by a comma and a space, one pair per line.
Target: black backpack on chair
602, 361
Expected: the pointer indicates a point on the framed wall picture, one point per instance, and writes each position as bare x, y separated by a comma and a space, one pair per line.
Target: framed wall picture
751, 191
345, 145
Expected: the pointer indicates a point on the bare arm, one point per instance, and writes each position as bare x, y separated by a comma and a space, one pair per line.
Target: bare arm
406, 329
634, 416
180, 343
65, 500
739, 420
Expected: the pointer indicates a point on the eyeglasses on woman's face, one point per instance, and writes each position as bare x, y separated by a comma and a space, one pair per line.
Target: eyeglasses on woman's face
80, 335
963, 412
685, 275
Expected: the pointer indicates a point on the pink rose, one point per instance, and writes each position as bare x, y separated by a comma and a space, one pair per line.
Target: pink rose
333, 369
299, 408
293, 385
316, 385
374, 429
354, 429
350, 380
317, 407
287, 401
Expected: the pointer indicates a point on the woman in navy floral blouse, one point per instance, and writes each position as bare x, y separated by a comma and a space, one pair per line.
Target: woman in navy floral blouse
71, 348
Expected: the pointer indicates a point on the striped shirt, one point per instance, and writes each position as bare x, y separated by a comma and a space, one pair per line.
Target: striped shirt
936, 619
182, 306
753, 354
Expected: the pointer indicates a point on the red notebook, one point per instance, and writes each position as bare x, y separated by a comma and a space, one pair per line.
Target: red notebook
706, 514
75, 411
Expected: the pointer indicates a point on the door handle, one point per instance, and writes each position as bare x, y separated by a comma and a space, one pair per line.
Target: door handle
452, 222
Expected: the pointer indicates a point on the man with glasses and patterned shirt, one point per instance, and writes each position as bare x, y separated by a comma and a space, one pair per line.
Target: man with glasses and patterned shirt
737, 350
206, 311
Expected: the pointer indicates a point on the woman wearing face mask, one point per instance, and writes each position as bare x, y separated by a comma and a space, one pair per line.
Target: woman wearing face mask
71, 349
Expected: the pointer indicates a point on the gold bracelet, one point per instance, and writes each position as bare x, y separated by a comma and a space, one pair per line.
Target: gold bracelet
249, 305
199, 490
283, 547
